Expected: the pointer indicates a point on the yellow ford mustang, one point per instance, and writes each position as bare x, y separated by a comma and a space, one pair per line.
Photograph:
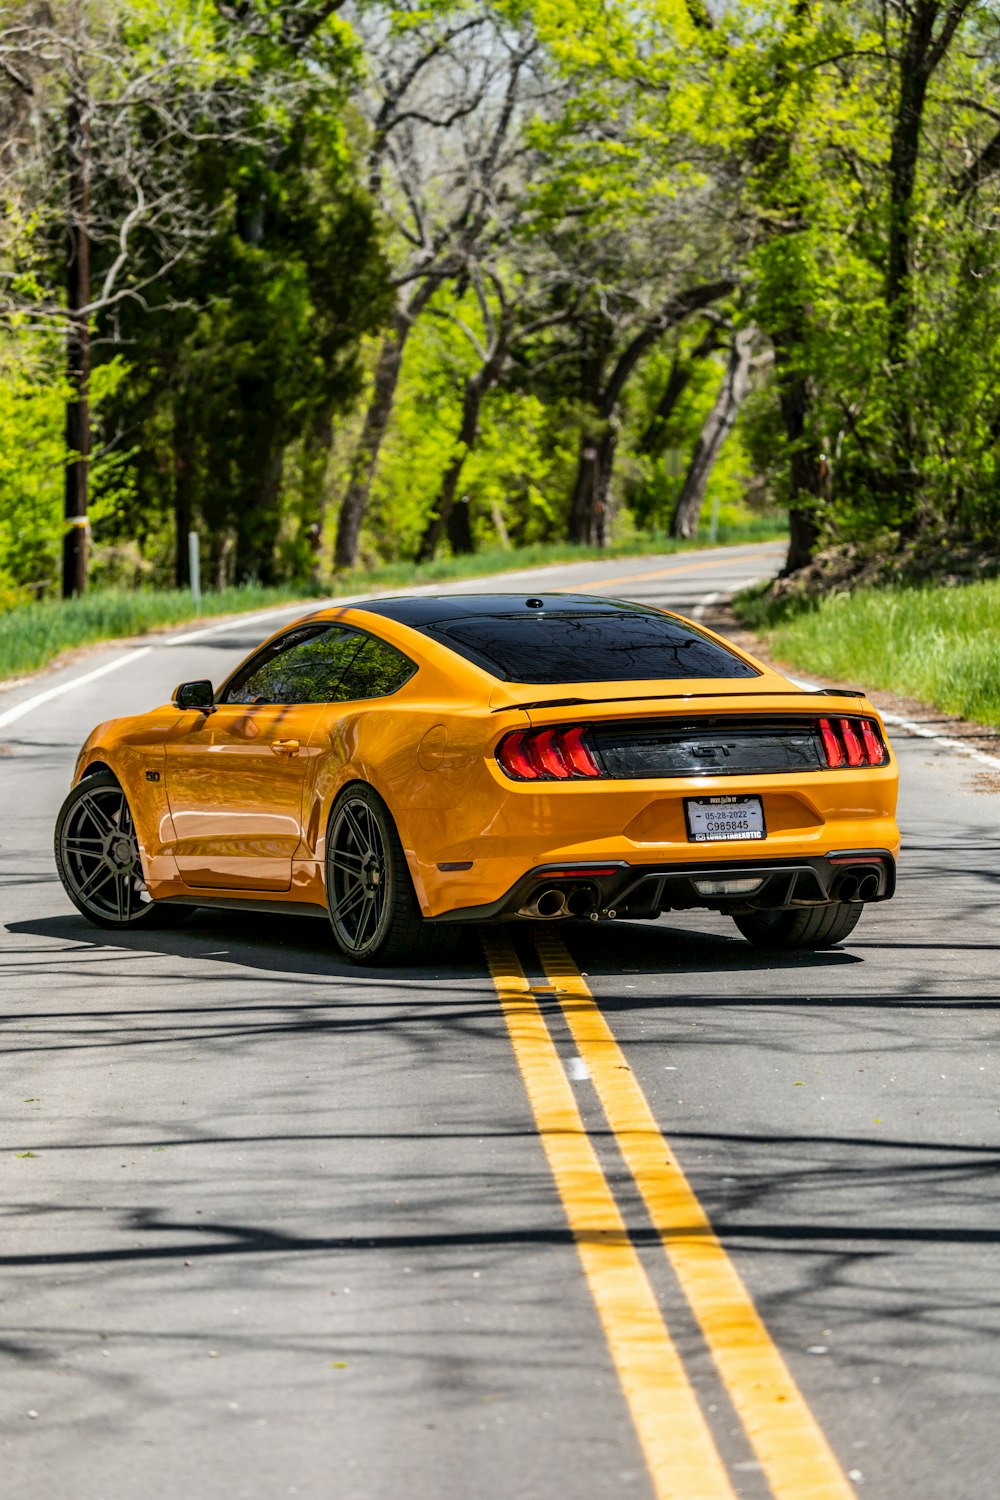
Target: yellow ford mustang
410, 763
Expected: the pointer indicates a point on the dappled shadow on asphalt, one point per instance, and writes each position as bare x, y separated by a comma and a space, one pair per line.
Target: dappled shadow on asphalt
834, 1211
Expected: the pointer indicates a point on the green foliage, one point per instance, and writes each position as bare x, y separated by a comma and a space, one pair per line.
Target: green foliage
940, 644
662, 144
32, 452
32, 464
32, 634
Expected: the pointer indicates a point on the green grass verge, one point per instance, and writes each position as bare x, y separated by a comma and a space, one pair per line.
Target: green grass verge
939, 643
32, 634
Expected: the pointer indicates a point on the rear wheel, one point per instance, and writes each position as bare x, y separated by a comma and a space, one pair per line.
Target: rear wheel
806, 927
370, 896
97, 857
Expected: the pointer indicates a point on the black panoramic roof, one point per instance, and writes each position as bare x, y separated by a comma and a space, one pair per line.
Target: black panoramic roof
559, 638
436, 609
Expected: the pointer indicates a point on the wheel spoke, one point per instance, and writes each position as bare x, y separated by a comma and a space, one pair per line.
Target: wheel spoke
360, 838
80, 845
99, 817
347, 859
88, 889
369, 907
350, 900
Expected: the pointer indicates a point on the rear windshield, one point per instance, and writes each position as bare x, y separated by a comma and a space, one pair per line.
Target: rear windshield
566, 647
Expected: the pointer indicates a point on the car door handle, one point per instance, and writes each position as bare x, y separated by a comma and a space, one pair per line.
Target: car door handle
285, 747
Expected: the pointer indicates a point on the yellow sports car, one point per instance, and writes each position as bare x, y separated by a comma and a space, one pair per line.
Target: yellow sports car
406, 764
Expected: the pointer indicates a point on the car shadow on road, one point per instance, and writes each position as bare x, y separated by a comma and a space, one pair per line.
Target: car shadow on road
301, 947
292, 946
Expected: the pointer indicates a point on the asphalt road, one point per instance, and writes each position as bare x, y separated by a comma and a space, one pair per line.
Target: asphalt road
271, 1226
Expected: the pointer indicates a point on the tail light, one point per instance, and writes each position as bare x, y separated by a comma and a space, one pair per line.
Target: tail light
547, 755
852, 742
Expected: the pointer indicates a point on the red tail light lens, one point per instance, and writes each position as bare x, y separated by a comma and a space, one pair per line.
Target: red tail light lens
548, 752
852, 742
855, 752
514, 760
874, 747
547, 755
578, 755
831, 745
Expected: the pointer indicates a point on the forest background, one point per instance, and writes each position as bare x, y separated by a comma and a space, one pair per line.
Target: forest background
340, 282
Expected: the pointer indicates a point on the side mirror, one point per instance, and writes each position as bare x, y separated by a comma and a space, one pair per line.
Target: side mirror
199, 694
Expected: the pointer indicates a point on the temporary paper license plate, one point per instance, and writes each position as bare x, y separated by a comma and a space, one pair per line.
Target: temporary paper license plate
724, 819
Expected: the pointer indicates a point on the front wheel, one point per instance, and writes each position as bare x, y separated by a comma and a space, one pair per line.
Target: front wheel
805, 927
370, 896
97, 857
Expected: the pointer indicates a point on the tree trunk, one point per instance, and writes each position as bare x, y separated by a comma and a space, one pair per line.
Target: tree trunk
74, 571
184, 472
808, 467
316, 458
717, 427
258, 521
651, 441
589, 506
363, 464
920, 53
445, 516
903, 157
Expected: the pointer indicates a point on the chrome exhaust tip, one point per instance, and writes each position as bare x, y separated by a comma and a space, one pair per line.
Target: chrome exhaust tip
549, 903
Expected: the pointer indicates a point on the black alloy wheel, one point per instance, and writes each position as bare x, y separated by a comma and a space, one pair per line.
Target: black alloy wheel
370, 896
97, 857
801, 927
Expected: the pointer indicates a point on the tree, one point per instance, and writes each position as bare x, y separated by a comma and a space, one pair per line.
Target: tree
122, 108
442, 100
717, 427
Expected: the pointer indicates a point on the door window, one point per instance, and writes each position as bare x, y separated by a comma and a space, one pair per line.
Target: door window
377, 670
304, 666
320, 664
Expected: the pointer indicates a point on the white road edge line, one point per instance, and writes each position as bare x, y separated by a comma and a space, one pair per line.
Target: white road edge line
11, 715
910, 726
20, 709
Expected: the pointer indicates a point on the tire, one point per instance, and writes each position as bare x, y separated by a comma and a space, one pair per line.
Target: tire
369, 893
806, 927
97, 857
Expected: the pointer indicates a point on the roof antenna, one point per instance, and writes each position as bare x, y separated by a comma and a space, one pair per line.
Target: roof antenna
535, 603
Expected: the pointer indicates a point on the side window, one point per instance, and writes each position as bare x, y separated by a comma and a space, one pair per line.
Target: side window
377, 670
305, 666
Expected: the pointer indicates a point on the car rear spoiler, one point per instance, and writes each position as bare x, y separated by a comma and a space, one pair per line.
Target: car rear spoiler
669, 697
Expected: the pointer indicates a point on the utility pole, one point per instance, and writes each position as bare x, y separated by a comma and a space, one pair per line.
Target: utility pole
75, 541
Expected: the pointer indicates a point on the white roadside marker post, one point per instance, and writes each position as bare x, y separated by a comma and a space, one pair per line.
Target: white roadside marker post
194, 566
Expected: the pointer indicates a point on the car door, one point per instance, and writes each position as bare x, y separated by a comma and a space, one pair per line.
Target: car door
236, 776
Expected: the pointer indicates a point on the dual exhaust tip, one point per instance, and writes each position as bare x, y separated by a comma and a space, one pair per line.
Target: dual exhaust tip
856, 885
552, 901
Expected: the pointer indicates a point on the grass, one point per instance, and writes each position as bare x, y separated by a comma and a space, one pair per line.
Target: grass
939, 643
33, 634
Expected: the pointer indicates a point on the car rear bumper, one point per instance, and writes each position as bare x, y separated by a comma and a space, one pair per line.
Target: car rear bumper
628, 890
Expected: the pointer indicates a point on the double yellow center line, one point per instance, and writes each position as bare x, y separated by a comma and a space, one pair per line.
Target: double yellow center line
680, 1451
